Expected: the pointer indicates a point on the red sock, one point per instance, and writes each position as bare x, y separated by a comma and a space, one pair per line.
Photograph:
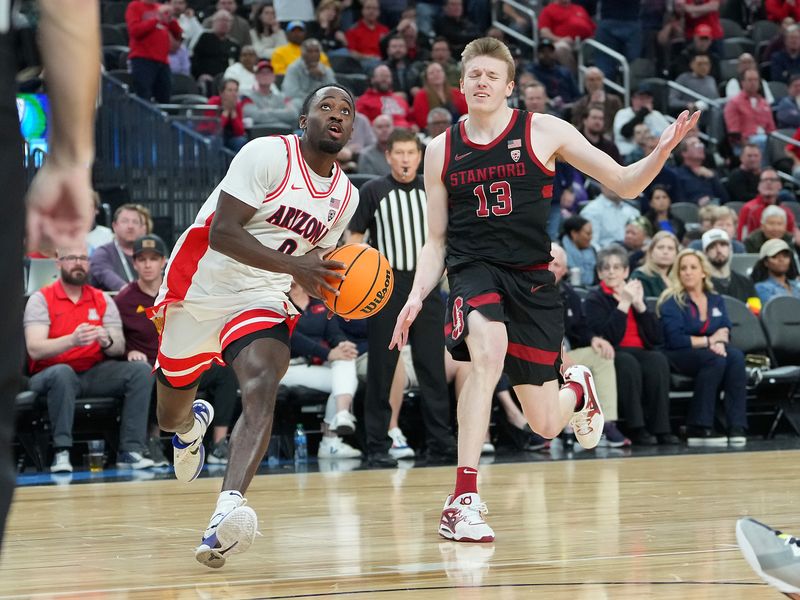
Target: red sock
466, 481
577, 389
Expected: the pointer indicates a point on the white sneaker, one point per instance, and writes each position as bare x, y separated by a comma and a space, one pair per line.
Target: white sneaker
487, 448
462, 520
400, 447
334, 447
228, 533
61, 463
189, 458
587, 422
343, 423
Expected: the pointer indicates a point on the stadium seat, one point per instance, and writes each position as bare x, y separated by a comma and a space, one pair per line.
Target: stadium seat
184, 84
112, 35
688, 212
115, 57
743, 263
735, 205
359, 179
357, 83
346, 64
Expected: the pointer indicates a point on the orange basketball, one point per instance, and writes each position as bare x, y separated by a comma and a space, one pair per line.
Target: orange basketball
367, 285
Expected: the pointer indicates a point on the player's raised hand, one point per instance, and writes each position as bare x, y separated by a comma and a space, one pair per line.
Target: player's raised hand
674, 134
404, 321
314, 273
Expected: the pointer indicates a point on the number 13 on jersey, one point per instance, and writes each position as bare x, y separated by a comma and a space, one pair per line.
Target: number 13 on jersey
501, 191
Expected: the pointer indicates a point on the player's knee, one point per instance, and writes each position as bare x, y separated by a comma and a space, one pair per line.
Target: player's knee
489, 361
258, 393
548, 428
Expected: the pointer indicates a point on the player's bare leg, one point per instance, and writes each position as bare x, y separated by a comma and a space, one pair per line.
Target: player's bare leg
462, 516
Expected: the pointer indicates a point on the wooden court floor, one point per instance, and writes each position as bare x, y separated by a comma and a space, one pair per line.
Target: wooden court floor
659, 527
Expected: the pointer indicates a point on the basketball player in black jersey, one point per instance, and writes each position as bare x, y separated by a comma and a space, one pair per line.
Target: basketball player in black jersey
488, 182
60, 204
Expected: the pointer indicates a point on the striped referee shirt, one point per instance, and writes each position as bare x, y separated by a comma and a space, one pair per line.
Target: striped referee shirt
395, 216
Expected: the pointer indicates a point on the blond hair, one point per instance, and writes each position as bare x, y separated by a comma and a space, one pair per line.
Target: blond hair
649, 266
675, 288
490, 47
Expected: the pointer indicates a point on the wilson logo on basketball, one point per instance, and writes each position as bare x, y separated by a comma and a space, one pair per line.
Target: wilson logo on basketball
380, 295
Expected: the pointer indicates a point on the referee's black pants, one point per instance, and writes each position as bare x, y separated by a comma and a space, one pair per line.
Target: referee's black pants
12, 226
427, 351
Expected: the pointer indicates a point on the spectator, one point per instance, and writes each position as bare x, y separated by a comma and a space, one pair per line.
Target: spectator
150, 28
787, 112
215, 50
641, 137
380, 99
231, 115
700, 18
637, 234
696, 335
609, 214
593, 129
243, 72
725, 218
581, 347
405, 72
112, 264
775, 274
596, 94
658, 260
418, 46
778, 10
323, 359
535, 99
179, 61
769, 186
327, 27
100, 234
743, 181
71, 329
616, 311
285, 55
186, 18
698, 80
733, 87
717, 248
577, 243
660, 216
786, 62
455, 27
266, 33
442, 54
439, 119
619, 27
748, 116
437, 92
240, 28
701, 43
265, 104
557, 80
640, 111
773, 227
363, 38
307, 74
565, 24
698, 184
372, 160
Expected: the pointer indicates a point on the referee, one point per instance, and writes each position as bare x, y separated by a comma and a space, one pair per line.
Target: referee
393, 209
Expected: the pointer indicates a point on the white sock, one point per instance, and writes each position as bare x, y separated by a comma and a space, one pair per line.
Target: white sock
228, 500
189, 436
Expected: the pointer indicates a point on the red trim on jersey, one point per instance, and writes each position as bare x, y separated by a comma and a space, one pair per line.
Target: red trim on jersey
536, 267
282, 185
256, 326
448, 329
463, 131
447, 144
530, 354
345, 202
528, 129
199, 363
183, 265
490, 298
304, 171
547, 191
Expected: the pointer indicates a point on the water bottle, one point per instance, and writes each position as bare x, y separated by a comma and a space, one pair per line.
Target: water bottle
300, 445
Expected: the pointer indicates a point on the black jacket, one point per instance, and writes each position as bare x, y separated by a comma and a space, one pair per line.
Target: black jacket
575, 328
605, 320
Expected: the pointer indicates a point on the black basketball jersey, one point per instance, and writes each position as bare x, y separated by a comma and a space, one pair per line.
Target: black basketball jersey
499, 198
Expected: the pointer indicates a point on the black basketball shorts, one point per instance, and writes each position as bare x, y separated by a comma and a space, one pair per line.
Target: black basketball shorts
528, 302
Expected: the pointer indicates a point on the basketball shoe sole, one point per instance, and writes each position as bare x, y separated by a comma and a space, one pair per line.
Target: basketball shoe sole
588, 422
234, 534
773, 556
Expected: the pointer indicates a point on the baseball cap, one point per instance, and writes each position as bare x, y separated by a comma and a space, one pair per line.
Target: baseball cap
264, 64
712, 236
772, 247
703, 30
150, 242
295, 25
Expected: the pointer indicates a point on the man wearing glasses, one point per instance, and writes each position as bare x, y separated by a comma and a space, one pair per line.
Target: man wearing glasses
71, 329
769, 186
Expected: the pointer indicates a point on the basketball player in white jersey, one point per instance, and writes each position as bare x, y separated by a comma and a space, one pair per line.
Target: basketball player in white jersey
488, 182
282, 205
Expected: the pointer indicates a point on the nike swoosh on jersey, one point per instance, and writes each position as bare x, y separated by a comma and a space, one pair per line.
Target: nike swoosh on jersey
460, 156
294, 187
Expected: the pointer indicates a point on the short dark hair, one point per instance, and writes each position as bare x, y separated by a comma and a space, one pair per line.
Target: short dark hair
307, 102
401, 134
224, 83
573, 223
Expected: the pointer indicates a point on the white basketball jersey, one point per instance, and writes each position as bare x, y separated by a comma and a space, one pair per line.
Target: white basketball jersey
296, 211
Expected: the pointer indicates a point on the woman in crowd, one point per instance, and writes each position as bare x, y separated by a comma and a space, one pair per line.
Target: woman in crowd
436, 91
576, 240
616, 311
327, 28
266, 33
658, 260
660, 216
775, 274
696, 335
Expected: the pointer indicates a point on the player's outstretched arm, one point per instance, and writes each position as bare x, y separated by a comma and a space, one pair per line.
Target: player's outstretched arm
229, 237
556, 137
430, 265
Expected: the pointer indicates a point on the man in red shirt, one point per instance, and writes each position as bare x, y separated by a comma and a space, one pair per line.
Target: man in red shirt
71, 328
363, 38
150, 26
380, 99
769, 186
563, 22
748, 116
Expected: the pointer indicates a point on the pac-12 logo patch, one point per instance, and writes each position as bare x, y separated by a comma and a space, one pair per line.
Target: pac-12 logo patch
458, 318
515, 155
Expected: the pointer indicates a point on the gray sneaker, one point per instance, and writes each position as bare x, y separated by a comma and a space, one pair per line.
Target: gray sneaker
773, 555
219, 453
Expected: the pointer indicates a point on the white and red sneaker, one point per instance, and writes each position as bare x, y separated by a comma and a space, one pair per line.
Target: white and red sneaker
462, 520
587, 422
